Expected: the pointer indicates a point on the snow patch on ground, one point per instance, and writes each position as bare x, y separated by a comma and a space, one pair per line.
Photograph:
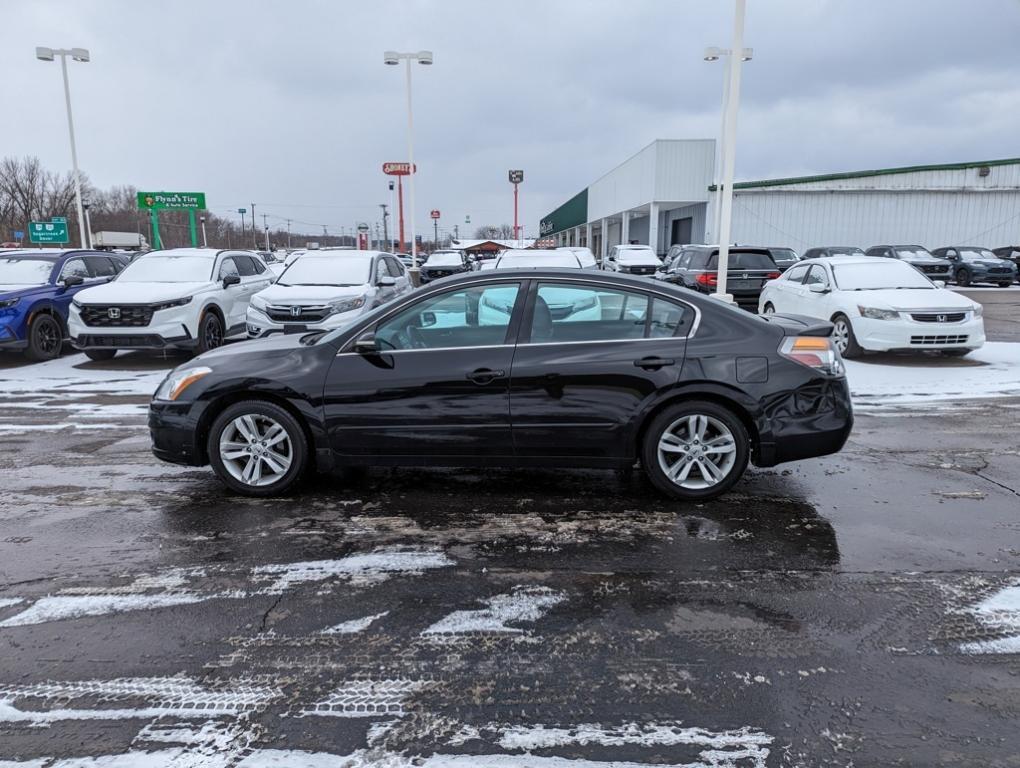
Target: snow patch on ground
63, 607
66, 373
999, 612
909, 380
353, 626
367, 568
6, 602
522, 604
530, 737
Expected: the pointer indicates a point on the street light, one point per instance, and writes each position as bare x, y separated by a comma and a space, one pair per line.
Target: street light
82, 55
731, 99
392, 58
205, 241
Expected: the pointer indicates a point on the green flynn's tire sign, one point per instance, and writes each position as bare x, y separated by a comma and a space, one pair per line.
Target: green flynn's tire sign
156, 201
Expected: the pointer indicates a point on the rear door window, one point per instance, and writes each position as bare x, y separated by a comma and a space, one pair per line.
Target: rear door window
101, 266
568, 312
669, 319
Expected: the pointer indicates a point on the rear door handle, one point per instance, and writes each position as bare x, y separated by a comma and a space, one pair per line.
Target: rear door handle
654, 363
485, 375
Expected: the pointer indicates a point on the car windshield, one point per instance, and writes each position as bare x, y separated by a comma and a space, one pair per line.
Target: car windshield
972, 254
538, 260
327, 270
913, 252
444, 260
879, 276
635, 254
744, 260
153, 268
784, 254
25, 271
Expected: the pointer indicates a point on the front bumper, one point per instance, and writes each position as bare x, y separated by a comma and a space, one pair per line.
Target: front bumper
173, 427
259, 325
909, 334
168, 328
427, 276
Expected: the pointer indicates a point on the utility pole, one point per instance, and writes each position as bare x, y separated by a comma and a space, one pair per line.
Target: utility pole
385, 228
456, 232
205, 241
288, 234
389, 246
265, 226
254, 230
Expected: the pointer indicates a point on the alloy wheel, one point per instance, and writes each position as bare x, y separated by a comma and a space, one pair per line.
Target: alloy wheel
213, 335
697, 451
47, 337
841, 335
256, 450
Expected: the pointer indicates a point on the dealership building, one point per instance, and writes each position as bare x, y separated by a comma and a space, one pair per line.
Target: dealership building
665, 195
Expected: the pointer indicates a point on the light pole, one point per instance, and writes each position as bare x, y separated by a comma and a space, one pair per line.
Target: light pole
88, 221
389, 246
82, 55
205, 240
288, 234
393, 58
385, 228
729, 140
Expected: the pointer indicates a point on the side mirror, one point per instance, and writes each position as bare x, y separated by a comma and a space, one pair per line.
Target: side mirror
230, 280
818, 288
366, 344
386, 280
72, 280
428, 318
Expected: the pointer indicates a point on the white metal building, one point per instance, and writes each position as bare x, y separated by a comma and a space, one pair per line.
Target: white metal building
669, 182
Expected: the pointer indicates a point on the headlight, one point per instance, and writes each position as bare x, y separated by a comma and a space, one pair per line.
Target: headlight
978, 310
173, 386
346, 305
878, 314
169, 304
622, 268
259, 303
6, 303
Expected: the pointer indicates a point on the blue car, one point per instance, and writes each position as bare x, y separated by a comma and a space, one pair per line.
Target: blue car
36, 288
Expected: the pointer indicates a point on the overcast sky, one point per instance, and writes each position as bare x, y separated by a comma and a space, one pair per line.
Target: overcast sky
289, 105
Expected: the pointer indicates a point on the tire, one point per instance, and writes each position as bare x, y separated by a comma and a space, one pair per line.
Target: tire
844, 339
45, 338
100, 354
768, 309
240, 463
963, 277
210, 332
956, 352
687, 428
1004, 285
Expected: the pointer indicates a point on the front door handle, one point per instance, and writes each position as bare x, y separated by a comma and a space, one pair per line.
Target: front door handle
485, 376
654, 363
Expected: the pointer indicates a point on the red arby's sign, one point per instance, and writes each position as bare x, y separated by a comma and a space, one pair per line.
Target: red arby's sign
398, 169
435, 213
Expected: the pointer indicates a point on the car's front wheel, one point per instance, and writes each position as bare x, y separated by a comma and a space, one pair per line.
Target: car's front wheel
257, 448
45, 338
768, 309
210, 332
1004, 285
963, 277
843, 337
695, 450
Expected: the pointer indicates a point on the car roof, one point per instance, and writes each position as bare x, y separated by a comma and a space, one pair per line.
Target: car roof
207, 253
51, 254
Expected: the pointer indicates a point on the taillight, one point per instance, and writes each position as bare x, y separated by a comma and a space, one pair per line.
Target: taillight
772, 276
813, 351
707, 278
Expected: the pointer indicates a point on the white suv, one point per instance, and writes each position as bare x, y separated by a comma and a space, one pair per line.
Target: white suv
184, 298
633, 259
323, 290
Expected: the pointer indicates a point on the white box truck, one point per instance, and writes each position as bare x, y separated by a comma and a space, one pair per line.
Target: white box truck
121, 241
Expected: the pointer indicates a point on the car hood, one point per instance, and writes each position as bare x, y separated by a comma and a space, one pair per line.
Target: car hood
138, 293
929, 260
912, 298
287, 295
271, 346
638, 261
987, 262
18, 291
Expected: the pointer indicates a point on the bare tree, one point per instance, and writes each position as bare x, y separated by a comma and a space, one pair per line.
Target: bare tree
494, 232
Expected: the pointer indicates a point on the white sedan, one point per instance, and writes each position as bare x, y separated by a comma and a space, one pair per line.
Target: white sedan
877, 305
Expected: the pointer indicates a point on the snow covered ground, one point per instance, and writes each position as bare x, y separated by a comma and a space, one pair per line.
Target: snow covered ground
890, 380
76, 374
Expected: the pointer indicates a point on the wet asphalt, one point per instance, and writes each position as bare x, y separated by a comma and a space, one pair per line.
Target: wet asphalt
823, 613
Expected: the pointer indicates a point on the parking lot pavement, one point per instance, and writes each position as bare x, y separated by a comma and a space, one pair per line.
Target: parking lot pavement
860, 609
1002, 311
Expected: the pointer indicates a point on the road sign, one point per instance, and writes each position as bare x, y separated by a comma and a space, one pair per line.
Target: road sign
363, 227
59, 219
516, 177
242, 210
47, 232
155, 201
18, 234
398, 169
434, 213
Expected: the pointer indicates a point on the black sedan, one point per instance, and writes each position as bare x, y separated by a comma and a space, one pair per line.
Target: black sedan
531, 367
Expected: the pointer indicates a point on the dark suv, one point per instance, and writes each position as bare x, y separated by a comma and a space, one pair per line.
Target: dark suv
918, 257
784, 257
443, 264
972, 264
697, 266
1009, 253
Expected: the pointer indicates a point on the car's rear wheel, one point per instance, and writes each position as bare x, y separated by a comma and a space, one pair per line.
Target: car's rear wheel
210, 332
963, 277
843, 337
695, 450
45, 338
768, 309
257, 448
100, 354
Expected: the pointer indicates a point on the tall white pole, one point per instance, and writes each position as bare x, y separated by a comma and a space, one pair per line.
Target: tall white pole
729, 149
410, 159
722, 139
74, 156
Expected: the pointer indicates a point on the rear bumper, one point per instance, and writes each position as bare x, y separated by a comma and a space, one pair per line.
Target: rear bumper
813, 420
